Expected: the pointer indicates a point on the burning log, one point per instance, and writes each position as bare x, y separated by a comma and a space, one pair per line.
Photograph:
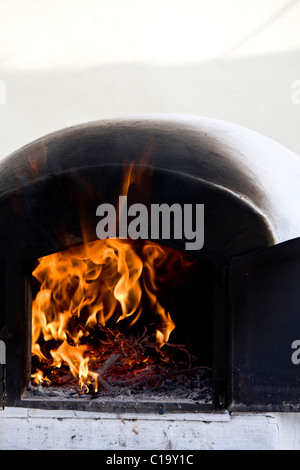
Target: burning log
107, 364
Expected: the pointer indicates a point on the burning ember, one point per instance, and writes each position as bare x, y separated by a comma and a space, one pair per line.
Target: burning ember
98, 310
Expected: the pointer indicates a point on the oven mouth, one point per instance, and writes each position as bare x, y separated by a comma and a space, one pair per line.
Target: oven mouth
157, 357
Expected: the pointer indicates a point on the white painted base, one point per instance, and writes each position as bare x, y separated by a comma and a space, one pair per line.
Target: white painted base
27, 429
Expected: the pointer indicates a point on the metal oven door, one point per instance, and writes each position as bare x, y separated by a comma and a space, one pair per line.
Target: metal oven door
264, 305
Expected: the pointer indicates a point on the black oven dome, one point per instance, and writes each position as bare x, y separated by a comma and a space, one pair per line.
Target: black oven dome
50, 189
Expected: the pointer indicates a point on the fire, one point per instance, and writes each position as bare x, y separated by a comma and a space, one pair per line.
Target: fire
93, 286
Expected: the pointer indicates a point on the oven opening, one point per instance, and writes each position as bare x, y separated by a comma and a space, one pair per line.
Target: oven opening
121, 319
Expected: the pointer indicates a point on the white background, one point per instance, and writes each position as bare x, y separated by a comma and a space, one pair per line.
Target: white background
65, 62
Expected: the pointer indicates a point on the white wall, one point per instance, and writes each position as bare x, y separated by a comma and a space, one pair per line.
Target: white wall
64, 62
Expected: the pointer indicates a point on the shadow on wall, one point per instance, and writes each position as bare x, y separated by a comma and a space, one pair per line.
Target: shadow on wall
255, 92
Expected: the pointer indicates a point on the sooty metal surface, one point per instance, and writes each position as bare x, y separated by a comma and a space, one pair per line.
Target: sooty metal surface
53, 185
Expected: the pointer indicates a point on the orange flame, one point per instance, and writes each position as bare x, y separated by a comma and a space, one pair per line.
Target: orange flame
94, 285
90, 286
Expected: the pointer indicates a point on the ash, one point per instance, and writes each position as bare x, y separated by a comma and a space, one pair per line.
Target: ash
193, 385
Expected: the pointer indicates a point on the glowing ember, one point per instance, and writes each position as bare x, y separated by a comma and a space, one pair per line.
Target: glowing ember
96, 288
